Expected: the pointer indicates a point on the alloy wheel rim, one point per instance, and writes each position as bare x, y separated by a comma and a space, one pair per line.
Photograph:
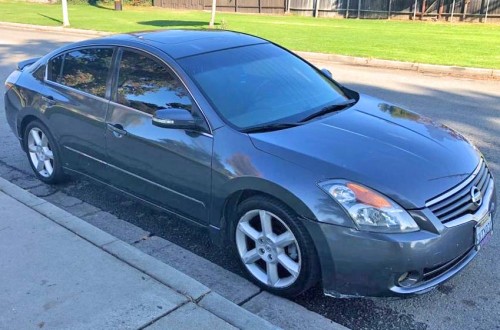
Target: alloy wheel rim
40, 152
268, 248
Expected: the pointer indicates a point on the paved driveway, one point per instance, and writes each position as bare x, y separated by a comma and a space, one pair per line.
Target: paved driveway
470, 300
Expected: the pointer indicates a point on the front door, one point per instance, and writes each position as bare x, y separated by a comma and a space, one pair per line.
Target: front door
169, 167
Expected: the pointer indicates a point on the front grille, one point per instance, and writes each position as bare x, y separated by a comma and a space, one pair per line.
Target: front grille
433, 272
448, 207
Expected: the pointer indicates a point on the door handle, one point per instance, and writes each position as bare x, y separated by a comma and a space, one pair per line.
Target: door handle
49, 99
117, 130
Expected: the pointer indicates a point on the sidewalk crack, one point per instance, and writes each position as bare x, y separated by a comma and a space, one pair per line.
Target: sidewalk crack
163, 315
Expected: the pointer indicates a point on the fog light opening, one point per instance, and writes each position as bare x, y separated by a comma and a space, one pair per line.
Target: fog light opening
408, 279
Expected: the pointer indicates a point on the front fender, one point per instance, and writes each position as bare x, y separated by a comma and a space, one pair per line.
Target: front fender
240, 167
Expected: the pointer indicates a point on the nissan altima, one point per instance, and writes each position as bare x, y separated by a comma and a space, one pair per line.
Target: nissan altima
304, 179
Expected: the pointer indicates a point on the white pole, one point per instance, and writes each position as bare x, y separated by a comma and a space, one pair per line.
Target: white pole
316, 8
65, 12
212, 19
288, 6
486, 14
415, 10
359, 9
452, 11
347, 10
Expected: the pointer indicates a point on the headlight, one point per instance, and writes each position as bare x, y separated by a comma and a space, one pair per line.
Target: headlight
370, 210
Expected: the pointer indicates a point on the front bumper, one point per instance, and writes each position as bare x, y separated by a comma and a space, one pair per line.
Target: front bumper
358, 263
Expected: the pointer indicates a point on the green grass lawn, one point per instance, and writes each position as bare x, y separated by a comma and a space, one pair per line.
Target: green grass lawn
462, 44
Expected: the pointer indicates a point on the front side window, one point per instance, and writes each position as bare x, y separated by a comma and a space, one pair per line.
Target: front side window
147, 85
84, 69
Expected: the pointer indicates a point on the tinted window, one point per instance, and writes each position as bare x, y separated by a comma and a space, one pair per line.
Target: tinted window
147, 85
85, 70
40, 73
260, 84
55, 68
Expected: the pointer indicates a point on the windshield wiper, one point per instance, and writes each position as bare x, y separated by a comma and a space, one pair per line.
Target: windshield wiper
269, 127
328, 109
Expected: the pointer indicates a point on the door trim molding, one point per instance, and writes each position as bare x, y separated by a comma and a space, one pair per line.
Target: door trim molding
138, 177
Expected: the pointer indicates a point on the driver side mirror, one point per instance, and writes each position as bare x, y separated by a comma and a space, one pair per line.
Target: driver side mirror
327, 73
175, 118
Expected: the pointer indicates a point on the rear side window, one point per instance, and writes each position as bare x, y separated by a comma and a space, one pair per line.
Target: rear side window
147, 85
39, 74
84, 69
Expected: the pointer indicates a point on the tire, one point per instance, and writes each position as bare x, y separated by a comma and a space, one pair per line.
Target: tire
43, 153
282, 259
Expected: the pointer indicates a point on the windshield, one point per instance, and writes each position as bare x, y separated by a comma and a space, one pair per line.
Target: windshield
260, 84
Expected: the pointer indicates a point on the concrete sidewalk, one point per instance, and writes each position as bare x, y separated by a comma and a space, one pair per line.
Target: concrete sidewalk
60, 272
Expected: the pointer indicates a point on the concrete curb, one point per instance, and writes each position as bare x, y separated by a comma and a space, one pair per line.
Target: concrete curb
163, 273
457, 71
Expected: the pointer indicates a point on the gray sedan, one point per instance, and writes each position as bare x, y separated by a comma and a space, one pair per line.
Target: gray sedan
303, 178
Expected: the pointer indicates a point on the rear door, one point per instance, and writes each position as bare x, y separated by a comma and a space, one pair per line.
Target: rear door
168, 167
76, 101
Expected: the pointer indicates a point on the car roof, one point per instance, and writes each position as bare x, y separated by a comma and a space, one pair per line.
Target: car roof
183, 43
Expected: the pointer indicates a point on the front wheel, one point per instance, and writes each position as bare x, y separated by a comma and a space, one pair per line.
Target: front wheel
274, 248
42, 153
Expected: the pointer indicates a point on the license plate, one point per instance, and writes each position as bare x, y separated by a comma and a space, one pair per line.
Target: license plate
483, 231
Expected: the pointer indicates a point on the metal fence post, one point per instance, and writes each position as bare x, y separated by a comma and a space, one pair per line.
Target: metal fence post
359, 9
288, 6
415, 10
316, 8
389, 10
347, 10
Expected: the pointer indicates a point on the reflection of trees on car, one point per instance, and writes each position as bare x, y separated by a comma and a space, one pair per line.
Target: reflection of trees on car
435, 129
87, 70
147, 85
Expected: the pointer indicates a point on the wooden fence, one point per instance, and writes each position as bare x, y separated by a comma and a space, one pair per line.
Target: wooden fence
240, 6
398, 9
402, 9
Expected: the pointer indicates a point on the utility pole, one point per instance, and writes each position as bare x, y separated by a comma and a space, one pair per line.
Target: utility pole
487, 8
65, 12
452, 11
316, 8
212, 19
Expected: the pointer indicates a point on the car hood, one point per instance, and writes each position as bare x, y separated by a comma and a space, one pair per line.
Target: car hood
404, 155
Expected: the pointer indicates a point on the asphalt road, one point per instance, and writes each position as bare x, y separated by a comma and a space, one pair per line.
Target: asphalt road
470, 300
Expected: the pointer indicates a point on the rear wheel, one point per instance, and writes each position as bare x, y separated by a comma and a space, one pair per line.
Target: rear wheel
42, 153
274, 248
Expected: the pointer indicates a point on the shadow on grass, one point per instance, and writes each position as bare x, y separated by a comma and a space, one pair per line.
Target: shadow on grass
169, 23
97, 5
51, 18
